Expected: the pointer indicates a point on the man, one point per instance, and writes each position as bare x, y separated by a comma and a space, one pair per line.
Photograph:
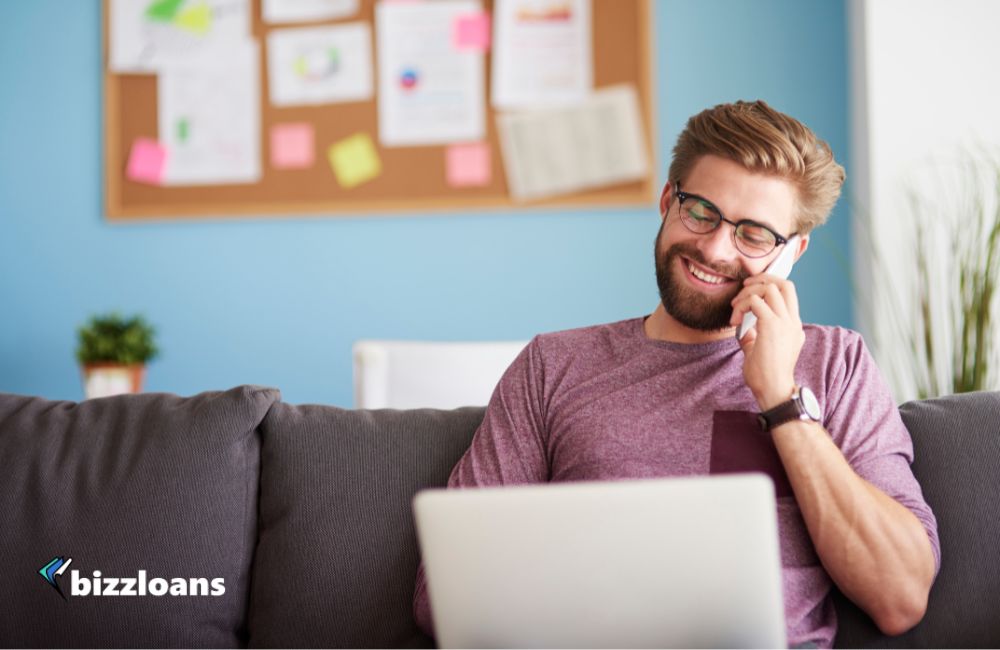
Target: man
676, 394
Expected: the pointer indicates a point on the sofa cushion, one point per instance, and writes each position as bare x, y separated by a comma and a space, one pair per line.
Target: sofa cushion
956, 443
155, 483
337, 555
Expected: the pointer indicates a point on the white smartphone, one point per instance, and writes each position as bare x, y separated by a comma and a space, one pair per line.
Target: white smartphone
780, 267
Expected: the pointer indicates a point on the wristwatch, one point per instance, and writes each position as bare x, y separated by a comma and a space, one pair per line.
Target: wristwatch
802, 406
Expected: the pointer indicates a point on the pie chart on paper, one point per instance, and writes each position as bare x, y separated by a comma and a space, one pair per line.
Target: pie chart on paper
408, 79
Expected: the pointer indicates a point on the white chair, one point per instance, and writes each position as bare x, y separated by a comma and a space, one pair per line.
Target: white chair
425, 374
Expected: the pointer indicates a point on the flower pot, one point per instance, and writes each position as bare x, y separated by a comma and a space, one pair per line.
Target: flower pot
106, 379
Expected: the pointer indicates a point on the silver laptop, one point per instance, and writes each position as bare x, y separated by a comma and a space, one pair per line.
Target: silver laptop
679, 562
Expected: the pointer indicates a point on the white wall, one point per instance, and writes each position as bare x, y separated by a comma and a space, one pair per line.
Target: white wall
925, 83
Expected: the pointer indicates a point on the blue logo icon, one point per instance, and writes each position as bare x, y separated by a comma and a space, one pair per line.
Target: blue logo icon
54, 568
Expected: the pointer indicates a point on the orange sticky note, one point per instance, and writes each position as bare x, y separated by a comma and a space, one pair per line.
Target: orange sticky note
293, 146
471, 32
354, 160
146, 162
468, 164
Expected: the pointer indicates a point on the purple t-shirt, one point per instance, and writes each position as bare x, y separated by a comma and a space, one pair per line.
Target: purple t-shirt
607, 402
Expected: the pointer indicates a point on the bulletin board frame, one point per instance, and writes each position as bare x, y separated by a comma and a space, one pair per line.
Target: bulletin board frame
413, 178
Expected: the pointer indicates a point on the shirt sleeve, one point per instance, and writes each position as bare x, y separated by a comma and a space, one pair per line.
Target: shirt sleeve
509, 447
865, 423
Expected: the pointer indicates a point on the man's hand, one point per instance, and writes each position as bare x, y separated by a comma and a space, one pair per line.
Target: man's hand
771, 348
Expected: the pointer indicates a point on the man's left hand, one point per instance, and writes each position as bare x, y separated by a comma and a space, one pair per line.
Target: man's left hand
771, 348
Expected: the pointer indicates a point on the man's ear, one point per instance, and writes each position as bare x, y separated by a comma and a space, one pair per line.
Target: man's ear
803, 245
665, 198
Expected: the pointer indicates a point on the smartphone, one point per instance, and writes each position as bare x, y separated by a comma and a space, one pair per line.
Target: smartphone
780, 267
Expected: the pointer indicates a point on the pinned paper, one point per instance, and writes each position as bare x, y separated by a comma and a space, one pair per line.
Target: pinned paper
146, 35
299, 11
542, 53
472, 32
146, 162
428, 92
354, 160
292, 146
468, 165
319, 65
209, 118
597, 143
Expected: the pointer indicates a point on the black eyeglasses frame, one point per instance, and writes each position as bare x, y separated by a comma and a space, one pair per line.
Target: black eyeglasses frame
682, 196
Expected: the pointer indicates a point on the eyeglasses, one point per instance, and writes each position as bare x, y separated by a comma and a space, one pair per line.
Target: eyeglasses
699, 215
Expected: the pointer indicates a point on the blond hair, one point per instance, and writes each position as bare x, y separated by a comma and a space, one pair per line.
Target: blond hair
763, 140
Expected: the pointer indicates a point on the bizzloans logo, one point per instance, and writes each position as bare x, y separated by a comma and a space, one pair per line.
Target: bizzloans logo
140, 585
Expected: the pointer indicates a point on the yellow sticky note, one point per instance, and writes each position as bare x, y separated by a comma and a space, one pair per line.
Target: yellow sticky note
197, 19
354, 160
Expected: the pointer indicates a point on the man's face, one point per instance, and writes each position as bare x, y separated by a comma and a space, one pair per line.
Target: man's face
699, 274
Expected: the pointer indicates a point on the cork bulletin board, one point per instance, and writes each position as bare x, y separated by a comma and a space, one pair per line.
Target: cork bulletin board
412, 179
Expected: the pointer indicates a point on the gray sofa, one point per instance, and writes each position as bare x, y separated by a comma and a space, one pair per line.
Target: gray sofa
304, 513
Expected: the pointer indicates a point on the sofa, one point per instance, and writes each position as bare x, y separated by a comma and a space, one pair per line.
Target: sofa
300, 515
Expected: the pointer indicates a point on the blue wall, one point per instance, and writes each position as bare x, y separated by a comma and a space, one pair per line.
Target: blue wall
279, 301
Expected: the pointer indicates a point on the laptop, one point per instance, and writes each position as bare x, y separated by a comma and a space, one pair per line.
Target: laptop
677, 562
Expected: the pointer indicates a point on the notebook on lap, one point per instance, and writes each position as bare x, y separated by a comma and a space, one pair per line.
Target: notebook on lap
679, 562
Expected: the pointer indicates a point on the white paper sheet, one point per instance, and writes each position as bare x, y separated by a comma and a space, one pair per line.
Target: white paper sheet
542, 53
557, 151
147, 34
209, 118
429, 92
320, 65
299, 11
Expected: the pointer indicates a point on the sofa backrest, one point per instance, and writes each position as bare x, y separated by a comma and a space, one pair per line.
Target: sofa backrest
956, 443
155, 486
337, 555
169, 485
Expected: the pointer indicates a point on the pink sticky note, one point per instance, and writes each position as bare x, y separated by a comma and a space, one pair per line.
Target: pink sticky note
471, 32
146, 162
468, 164
293, 146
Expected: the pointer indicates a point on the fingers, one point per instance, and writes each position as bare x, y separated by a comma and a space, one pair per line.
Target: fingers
747, 342
785, 287
751, 303
777, 295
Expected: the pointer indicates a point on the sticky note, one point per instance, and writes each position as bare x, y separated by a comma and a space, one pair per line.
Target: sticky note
471, 32
293, 146
354, 160
163, 10
146, 162
196, 19
468, 164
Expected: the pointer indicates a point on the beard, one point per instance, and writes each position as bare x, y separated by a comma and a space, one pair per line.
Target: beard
687, 306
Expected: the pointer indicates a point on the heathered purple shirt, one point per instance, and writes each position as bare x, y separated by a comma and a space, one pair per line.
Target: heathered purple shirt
607, 402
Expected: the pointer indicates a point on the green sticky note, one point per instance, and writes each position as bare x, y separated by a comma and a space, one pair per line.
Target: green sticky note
197, 19
183, 129
354, 160
163, 10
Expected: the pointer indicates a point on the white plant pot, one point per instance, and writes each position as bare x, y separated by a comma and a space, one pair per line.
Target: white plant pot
105, 380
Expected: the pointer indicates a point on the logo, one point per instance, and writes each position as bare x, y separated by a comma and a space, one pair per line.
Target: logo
55, 568
139, 585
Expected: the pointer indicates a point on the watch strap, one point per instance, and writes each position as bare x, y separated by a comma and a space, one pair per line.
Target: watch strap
784, 412
793, 409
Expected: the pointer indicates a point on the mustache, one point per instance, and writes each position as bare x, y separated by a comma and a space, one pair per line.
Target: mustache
734, 271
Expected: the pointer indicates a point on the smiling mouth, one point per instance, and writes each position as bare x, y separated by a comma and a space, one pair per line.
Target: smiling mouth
705, 276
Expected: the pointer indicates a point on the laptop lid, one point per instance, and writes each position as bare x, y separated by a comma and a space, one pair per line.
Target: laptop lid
677, 562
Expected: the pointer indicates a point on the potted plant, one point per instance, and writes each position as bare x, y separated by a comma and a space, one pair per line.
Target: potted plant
113, 352
939, 303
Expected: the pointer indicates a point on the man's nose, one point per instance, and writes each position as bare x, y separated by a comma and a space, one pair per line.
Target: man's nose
718, 245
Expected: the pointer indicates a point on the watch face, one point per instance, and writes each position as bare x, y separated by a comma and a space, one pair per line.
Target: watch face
810, 403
